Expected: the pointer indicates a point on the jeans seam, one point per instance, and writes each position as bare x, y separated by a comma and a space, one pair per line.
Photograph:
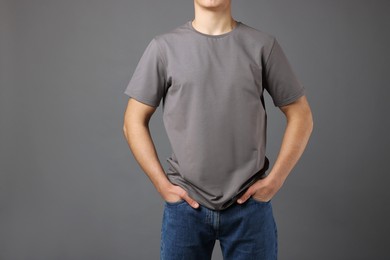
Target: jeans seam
217, 224
276, 239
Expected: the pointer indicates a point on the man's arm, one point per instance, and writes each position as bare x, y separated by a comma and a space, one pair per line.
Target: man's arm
137, 134
296, 136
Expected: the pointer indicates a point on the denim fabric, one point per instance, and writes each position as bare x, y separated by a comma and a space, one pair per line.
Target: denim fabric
245, 231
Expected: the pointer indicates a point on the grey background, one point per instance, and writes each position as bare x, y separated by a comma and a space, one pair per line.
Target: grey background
69, 186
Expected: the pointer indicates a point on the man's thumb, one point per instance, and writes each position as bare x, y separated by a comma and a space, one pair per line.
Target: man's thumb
244, 197
192, 202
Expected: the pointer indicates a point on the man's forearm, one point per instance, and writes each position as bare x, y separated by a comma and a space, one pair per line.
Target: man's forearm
141, 144
295, 139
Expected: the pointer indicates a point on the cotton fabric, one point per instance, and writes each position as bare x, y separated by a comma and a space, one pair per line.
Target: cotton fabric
212, 93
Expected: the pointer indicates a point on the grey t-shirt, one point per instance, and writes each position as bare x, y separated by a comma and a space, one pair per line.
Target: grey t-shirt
213, 105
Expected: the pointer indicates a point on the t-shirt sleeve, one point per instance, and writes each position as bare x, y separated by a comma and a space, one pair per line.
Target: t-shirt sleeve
280, 80
147, 83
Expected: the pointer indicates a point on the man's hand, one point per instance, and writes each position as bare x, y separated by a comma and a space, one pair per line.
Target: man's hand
174, 193
262, 190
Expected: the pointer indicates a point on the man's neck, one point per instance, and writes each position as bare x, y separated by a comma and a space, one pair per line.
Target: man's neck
213, 21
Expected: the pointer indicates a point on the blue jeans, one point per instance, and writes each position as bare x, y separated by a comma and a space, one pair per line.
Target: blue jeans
245, 231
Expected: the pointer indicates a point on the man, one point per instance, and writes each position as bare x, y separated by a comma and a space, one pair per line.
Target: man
210, 73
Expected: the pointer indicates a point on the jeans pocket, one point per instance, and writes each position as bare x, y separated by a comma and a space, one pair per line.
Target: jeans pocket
259, 201
174, 203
